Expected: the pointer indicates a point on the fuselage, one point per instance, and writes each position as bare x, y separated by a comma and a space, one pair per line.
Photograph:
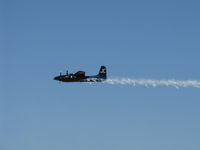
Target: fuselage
70, 78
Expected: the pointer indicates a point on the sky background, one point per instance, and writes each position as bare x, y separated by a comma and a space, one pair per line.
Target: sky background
136, 39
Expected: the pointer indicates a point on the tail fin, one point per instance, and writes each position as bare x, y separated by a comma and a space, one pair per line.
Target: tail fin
102, 72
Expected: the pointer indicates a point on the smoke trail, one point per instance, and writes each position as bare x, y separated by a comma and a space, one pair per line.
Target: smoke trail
154, 83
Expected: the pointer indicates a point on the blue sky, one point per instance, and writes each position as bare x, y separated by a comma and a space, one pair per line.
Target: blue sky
135, 39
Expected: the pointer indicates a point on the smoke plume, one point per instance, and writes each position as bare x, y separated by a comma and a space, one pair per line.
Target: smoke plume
154, 83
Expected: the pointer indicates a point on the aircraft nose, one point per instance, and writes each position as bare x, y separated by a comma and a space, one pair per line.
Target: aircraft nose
55, 78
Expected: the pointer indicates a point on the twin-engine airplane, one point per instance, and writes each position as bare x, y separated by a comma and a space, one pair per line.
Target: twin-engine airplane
81, 77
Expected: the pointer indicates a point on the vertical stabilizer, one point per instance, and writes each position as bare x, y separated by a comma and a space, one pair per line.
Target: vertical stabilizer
102, 72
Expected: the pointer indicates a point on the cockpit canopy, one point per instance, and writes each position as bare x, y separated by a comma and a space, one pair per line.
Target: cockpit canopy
80, 73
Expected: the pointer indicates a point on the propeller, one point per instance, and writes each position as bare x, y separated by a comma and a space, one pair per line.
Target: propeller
60, 77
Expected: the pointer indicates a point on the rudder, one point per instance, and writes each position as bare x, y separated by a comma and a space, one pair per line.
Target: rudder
103, 72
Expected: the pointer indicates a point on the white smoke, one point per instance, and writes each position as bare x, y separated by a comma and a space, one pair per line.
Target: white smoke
154, 83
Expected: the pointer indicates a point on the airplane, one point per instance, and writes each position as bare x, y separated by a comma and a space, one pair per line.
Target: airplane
81, 77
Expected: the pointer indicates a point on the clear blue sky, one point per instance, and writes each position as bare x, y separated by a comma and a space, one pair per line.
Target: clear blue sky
136, 39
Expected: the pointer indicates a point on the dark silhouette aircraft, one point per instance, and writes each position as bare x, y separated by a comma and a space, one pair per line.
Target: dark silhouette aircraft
81, 77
